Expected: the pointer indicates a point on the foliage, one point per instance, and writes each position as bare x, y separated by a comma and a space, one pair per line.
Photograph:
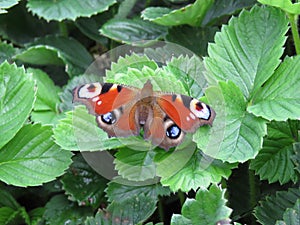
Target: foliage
58, 167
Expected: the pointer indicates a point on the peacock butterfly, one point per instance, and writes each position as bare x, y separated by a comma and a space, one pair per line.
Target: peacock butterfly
121, 111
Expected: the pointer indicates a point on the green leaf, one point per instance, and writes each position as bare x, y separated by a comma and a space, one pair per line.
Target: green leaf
134, 210
194, 38
57, 50
135, 32
208, 207
190, 71
6, 199
120, 192
291, 216
191, 14
135, 165
36, 215
238, 55
133, 61
199, 172
68, 9
7, 51
32, 158
19, 26
79, 132
235, 135
6, 4
279, 98
60, 211
7, 215
273, 207
47, 97
16, 100
83, 184
286, 5
100, 218
221, 8
274, 161
90, 26
296, 157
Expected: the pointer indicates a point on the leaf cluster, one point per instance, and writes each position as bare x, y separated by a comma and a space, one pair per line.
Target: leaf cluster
245, 168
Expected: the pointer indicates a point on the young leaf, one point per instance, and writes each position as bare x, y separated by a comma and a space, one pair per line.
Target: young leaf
83, 184
240, 56
273, 207
16, 100
61, 211
274, 161
236, 135
135, 32
68, 9
208, 207
32, 158
132, 61
279, 98
192, 14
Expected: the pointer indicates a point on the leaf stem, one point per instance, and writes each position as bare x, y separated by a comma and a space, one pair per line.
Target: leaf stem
253, 191
293, 19
181, 197
161, 210
63, 29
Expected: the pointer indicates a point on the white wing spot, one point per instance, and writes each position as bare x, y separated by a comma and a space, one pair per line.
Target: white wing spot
187, 118
95, 99
192, 116
99, 103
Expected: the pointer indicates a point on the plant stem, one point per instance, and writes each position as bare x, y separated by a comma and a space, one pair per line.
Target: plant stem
253, 191
181, 197
161, 210
63, 29
293, 19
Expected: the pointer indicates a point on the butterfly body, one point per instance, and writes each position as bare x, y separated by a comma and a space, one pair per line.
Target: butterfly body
122, 111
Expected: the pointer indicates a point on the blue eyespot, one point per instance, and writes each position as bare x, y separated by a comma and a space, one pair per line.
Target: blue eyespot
173, 131
109, 118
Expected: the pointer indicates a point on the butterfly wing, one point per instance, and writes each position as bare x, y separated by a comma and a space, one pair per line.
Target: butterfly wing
187, 112
112, 104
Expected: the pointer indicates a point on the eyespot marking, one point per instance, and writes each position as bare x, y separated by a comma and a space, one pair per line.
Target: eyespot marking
89, 90
201, 110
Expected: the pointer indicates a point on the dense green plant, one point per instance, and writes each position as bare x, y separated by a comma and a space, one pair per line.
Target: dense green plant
243, 169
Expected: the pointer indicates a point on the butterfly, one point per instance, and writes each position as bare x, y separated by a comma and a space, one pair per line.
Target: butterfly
122, 111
